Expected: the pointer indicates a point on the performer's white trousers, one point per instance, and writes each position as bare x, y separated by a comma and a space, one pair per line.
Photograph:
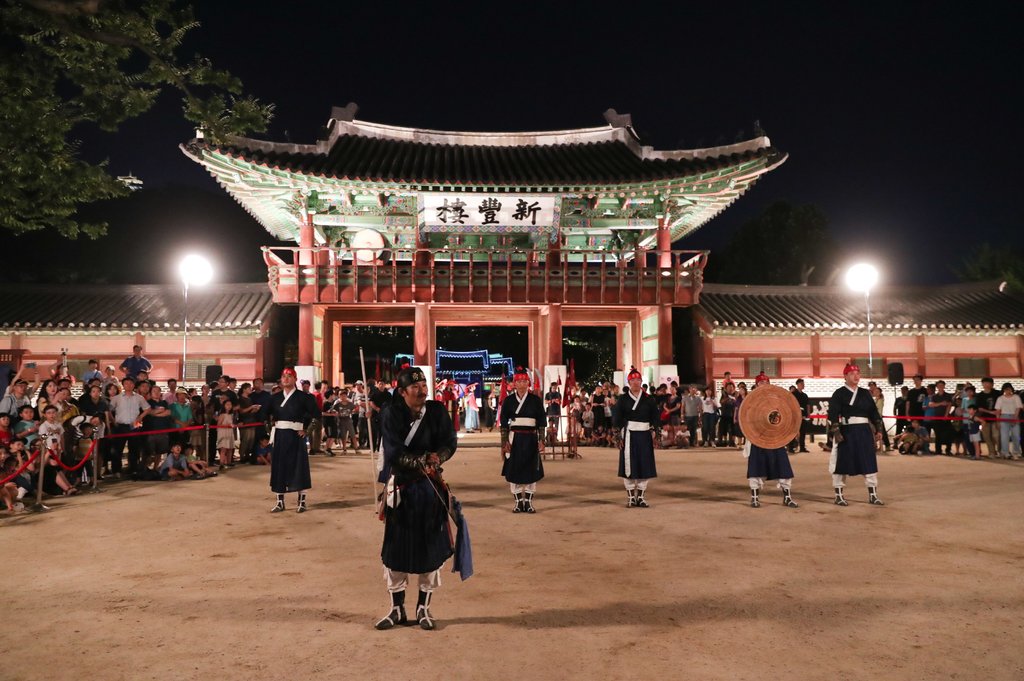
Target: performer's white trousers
397, 581
870, 480
635, 484
758, 483
519, 489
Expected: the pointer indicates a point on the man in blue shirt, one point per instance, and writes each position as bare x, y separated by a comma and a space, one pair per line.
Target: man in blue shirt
131, 366
93, 372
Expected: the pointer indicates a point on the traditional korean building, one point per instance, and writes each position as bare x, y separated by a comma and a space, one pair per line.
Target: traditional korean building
405, 226
230, 326
958, 333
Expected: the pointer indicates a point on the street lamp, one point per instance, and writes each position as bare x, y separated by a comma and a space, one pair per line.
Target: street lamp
862, 277
195, 270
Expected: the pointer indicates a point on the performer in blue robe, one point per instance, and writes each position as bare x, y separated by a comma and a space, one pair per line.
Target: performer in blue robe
291, 410
417, 437
522, 421
637, 417
768, 464
856, 426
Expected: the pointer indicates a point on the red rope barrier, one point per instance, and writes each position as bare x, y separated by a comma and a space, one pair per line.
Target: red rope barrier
21, 470
135, 433
72, 469
987, 419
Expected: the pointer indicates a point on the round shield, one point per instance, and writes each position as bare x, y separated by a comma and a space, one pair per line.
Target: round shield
770, 416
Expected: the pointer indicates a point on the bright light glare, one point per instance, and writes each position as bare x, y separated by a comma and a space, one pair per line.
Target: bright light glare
195, 270
862, 277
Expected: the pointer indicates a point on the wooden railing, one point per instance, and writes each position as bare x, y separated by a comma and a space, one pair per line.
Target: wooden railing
475, 275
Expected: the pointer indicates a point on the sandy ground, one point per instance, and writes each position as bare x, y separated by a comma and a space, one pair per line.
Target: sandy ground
196, 580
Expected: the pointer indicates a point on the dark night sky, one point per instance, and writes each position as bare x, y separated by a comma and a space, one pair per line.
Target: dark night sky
900, 119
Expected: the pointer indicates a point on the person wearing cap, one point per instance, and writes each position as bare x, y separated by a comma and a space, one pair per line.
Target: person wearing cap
856, 426
291, 411
637, 416
522, 420
417, 436
768, 464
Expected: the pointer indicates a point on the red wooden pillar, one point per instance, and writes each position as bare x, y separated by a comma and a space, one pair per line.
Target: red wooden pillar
305, 259
664, 244
816, 355
554, 335
423, 336
921, 357
665, 334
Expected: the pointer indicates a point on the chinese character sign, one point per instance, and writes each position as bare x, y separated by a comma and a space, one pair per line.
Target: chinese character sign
456, 210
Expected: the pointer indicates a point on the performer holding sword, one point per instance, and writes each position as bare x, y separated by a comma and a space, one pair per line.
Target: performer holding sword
417, 437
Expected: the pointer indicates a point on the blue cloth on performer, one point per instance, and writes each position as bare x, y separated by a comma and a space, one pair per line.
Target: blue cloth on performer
463, 563
770, 464
856, 453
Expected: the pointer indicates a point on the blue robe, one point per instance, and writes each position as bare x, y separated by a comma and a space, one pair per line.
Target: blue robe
289, 464
523, 465
417, 537
641, 442
770, 464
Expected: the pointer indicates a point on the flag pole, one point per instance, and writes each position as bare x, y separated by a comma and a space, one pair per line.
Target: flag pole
369, 427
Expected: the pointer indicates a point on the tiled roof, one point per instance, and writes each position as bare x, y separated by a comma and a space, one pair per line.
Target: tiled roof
360, 158
977, 306
101, 307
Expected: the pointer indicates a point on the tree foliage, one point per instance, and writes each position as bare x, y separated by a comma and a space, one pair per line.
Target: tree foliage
68, 63
987, 263
786, 244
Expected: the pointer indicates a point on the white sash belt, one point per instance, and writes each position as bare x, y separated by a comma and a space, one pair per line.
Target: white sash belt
854, 420
289, 425
522, 422
634, 426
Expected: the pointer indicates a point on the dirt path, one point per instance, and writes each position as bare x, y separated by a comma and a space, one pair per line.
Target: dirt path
195, 580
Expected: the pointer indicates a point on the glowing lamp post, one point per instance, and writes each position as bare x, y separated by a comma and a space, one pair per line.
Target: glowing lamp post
862, 277
197, 271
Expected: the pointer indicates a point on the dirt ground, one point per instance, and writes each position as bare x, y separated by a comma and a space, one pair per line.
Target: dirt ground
196, 580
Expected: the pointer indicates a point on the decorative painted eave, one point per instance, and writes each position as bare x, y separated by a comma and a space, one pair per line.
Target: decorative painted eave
978, 309
271, 179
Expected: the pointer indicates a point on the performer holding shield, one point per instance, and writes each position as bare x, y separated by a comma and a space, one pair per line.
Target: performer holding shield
637, 416
522, 421
417, 437
769, 418
856, 426
291, 410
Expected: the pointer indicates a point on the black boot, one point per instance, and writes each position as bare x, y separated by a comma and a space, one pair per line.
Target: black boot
423, 616
840, 500
518, 508
528, 502
787, 499
301, 508
396, 615
873, 497
640, 501
631, 496
755, 501
279, 507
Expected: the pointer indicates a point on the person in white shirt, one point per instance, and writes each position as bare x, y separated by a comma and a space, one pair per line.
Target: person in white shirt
1009, 407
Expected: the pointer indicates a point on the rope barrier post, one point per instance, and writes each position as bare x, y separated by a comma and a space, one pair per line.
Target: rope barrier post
97, 448
44, 456
206, 441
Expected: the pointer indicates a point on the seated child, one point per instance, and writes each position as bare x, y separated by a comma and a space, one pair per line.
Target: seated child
175, 465
198, 467
264, 450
